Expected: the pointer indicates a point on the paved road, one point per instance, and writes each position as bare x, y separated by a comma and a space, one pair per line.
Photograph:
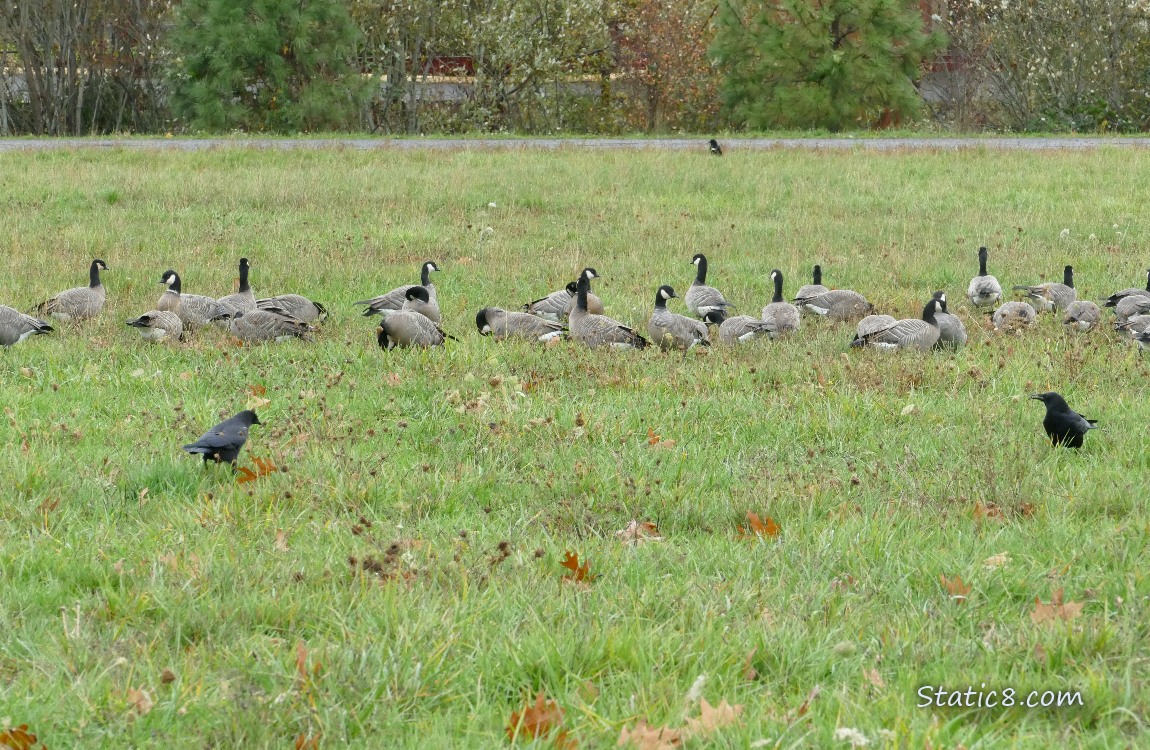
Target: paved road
673, 144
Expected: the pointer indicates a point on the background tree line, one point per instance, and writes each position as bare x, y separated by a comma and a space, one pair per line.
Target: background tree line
73, 67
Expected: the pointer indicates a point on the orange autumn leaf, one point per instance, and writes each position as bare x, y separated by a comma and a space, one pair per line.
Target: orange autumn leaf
19, 738
579, 573
657, 441
307, 741
987, 511
955, 587
801, 711
646, 737
536, 719
636, 533
759, 527
140, 701
257, 390
1055, 610
280, 543
712, 718
264, 466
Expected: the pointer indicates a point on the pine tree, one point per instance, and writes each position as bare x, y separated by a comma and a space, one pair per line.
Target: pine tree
265, 65
821, 63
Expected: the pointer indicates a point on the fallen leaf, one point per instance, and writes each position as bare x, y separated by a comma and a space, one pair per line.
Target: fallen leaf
874, 678
301, 661
749, 672
27, 372
19, 738
281, 544
579, 573
759, 527
167, 677
392, 379
955, 587
646, 737
305, 741
255, 402
801, 711
536, 719
257, 390
712, 718
264, 466
988, 511
140, 701
1055, 610
636, 533
996, 561
657, 441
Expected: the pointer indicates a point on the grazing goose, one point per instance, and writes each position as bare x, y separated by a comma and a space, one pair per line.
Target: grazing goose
1063, 425
782, 316
1052, 295
838, 304
294, 306
984, 289
738, 329
1130, 306
951, 331
599, 330
1143, 339
159, 325
245, 298
716, 149
912, 333
1135, 325
258, 326
554, 306
502, 324
193, 309
1013, 316
872, 324
80, 303
223, 442
814, 289
397, 298
409, 327
1082, 315
702, 299
1114, 299
15, 326
673, 331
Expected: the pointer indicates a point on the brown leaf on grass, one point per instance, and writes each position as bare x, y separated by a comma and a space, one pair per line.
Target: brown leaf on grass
657, 441
301, 661
167, 677
140, 701
996, 561
759, 527
712, 718
749, 672
636, 533
801, 711
19, 738
955, 587
646, 737
305, 741
280, 543
255, 402
264, 466
579, 573
537, 719
392, 379
1055, 610
874, 678
988, 511
257, 390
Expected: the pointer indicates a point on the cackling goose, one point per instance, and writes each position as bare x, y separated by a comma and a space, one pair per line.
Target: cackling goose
1013, 316
951, 331
599, 330
1052, 295
1114, 299
702, 299
814, 289
294, 305
984, 289
1130, 306
837, 304
194, 309
738, 329
912, 333
80, 303
397, 298
1082, 315
257, 326
15, 326
245, 298
502, 324
782, 316
409, 327
159, 325
673, 331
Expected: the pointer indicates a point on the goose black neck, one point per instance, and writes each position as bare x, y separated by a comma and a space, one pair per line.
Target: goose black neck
425, 275
818, 276
982, 262
175, 285
1148, 279
1068, 277
660, 303
244, 278
778, 288
701, 274
582, 287
94, 275
928, 312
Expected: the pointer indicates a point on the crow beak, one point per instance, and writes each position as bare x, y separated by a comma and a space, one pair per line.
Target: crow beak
1036, 396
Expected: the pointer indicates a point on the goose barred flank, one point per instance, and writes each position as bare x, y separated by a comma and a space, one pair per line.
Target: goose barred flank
80, 303
502, 324
593, 330
673, 331
15, 326
702, 299
397, 298
782, 316
1051, 295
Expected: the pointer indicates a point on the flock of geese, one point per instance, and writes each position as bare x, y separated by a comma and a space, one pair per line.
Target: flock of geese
410, 315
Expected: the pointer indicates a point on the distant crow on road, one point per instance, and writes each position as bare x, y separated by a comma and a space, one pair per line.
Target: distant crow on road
222, 443
1062, 424
716, 149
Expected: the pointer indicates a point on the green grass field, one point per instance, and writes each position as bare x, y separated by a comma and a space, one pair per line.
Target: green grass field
150, 602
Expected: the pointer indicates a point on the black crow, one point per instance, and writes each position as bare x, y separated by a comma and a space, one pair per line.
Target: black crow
222, 443
1062, 424
716, 149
